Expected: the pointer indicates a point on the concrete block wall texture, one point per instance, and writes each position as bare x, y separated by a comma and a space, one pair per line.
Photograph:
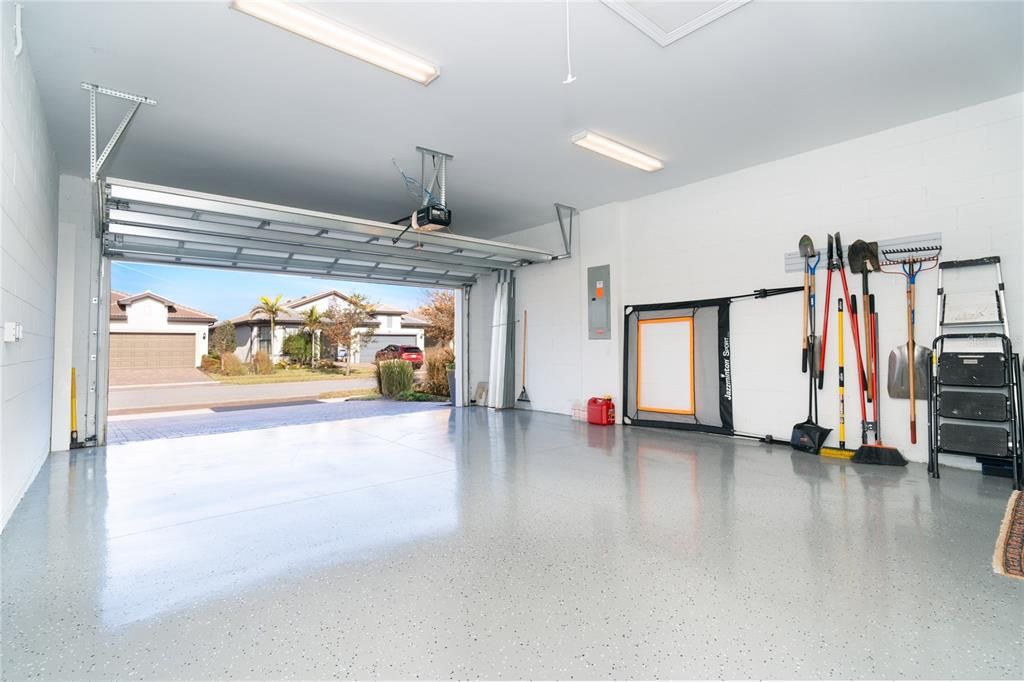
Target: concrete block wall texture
28, 258
958, 174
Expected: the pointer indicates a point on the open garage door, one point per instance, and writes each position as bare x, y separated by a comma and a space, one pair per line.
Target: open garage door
149, 223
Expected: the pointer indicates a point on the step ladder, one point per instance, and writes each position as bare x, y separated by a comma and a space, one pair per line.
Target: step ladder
974, 388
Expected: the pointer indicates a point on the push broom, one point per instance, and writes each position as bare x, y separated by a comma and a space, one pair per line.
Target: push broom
851, 305
524, 397
877, 452
841, 452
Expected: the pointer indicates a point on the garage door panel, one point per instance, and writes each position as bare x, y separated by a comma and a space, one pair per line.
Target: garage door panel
151, 351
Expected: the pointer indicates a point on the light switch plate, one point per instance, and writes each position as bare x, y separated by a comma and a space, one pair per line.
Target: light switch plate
11, 332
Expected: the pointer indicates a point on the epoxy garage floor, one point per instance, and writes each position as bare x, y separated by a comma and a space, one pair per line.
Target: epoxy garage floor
521, 545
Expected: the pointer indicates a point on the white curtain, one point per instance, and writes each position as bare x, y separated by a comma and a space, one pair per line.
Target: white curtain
501, 381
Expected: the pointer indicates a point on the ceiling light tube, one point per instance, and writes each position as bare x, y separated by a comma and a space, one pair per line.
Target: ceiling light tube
326, 31
616, 150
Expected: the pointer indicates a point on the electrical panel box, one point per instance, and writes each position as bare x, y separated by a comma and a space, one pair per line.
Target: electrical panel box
599, 309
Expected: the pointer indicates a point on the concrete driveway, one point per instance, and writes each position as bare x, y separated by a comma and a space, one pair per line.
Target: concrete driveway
232, 420
127, 400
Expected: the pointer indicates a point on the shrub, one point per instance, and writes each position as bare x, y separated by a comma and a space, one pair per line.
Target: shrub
395, 376
415, 396
261, 364
297, 347
233, 367
438, 362
210, 363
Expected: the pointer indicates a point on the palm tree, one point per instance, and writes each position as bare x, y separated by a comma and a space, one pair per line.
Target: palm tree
272, 308
312, 322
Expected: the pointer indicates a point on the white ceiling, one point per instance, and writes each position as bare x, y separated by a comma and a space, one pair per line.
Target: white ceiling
252, 111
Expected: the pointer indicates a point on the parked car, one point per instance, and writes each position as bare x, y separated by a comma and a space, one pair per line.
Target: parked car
395, 352
342, 354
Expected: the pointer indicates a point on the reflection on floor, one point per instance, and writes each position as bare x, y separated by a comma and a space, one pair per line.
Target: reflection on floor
468, 543
246, 418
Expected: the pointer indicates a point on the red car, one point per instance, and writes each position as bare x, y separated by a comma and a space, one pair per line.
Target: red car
395, 352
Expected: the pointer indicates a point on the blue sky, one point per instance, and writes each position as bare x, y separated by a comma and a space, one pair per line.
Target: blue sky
229, 293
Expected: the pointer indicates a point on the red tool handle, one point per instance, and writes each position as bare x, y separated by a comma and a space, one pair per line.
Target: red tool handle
824, 331
851, 303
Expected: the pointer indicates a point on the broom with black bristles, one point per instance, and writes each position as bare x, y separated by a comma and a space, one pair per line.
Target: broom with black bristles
877, 452
524, 397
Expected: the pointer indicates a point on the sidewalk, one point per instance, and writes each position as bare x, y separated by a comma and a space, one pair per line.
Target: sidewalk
131, 400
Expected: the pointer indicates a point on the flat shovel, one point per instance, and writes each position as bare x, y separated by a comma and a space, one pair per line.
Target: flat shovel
899, 369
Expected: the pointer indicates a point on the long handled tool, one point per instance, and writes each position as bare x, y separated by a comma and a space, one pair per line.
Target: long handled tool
524, 397
841, 452
911, 262
831, 263
851, 304
877, 452
807, 251
863, 257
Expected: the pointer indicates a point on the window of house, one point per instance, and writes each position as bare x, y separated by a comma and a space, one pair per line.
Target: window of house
264, 340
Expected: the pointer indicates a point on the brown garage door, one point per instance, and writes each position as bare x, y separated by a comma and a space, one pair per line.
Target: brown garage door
152, 351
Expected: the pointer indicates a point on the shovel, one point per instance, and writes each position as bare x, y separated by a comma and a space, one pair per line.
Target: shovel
898, 383
863, 257
807, 252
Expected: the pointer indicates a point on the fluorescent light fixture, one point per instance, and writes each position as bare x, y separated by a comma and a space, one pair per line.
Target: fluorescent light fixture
326, 31
616, 150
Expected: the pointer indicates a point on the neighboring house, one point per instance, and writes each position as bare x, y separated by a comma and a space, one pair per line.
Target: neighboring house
148, 331
392, 325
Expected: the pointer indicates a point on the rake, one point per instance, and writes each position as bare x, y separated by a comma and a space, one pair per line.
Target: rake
909, 360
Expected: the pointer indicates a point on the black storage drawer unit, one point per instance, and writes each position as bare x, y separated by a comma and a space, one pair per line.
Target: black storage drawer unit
990, 441
973, 369
992, 407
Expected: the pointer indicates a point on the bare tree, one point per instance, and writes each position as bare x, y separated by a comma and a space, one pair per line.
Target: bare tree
350, 326
439, 312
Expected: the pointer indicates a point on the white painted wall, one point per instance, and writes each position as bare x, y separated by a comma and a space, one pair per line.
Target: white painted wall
81, 285
958, 174
63, 331
28, 259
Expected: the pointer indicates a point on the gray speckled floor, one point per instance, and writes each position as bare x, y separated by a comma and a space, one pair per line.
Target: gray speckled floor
519, 545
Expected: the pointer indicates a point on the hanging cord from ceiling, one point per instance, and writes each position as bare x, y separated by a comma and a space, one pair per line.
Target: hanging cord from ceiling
568, 49
19, 42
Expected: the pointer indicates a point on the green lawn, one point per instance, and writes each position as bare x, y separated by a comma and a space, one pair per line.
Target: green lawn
281, 376
354, 394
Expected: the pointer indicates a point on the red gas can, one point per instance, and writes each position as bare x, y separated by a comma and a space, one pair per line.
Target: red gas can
601, 411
